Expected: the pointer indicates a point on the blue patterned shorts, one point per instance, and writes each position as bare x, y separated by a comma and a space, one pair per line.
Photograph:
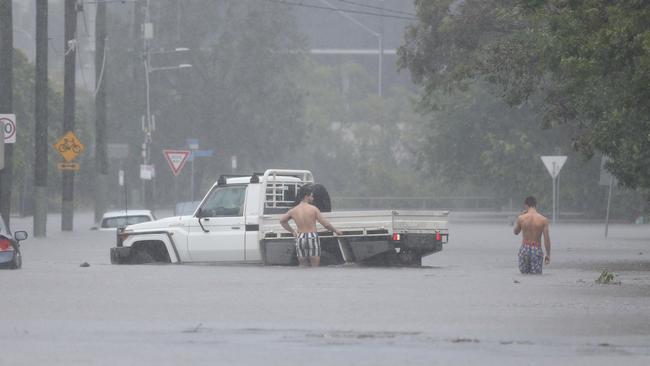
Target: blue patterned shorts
531, 259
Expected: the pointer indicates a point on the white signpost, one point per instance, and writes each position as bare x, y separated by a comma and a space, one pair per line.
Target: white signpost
553, 164
606, 179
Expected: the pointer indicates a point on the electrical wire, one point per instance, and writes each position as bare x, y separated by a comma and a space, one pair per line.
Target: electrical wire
377, 8
300, 4
101, 72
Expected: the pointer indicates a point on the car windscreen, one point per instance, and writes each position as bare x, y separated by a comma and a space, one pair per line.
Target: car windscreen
225, 201
115, 222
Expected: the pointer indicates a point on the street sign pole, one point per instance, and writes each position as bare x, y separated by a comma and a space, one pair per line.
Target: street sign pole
192, 177
557, 199
193, 145
609, 201
554, 184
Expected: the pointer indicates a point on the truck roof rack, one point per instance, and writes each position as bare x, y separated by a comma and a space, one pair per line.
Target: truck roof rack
223, 178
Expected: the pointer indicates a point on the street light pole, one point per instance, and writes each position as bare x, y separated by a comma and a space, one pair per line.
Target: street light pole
149, 121
147, 125
380, 41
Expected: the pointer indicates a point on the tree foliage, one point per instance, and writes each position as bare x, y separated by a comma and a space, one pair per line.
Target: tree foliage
583, 65
240, 98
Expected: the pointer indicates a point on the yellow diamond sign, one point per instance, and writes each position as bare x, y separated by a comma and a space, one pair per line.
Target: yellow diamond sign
69, 146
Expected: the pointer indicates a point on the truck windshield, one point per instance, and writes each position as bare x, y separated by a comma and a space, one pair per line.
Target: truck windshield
224, 201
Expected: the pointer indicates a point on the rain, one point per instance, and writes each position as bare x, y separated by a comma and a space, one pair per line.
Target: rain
152, 148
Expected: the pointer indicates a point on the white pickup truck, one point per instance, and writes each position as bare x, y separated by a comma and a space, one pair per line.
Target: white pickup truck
238, 222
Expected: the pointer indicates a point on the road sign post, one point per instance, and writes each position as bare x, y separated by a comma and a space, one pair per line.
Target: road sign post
606, 179
554, 164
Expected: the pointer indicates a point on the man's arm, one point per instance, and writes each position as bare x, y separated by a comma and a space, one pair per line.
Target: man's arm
517, 229
547, 243
323, 221
284, 221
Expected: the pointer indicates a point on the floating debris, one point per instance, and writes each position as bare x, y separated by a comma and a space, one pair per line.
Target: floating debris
607, 277
84, 264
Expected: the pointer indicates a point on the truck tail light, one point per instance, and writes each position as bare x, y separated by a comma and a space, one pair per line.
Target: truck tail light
396, 237
438, 236
4, 244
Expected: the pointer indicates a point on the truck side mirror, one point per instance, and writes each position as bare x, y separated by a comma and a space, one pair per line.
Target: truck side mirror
199, 213
20, 235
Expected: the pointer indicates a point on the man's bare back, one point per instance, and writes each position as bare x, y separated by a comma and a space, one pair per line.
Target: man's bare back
532, 224
305, 216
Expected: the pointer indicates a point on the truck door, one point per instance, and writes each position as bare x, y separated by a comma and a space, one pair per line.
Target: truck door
218, 232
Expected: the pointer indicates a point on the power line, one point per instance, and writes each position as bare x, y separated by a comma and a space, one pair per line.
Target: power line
285, 2
377, 8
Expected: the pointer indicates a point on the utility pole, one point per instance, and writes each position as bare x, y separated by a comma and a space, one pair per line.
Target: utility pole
148, 126
6, 101
101, 158
70, 47
40, 130
380, 77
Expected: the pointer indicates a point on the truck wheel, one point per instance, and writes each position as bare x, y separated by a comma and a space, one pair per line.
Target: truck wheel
141, 256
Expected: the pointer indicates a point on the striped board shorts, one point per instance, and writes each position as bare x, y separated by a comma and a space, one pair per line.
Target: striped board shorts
308, 245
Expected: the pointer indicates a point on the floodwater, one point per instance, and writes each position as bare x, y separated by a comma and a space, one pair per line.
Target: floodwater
468, 305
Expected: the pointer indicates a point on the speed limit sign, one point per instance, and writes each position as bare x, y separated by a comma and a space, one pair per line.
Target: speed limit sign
8, 124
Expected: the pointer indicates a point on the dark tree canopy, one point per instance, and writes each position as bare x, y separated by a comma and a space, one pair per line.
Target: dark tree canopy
584, 65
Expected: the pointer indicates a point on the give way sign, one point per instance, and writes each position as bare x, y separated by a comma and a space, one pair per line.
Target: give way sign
176, 159
553, 164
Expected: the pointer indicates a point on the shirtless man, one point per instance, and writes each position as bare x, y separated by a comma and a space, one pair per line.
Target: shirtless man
305, 216
533, 225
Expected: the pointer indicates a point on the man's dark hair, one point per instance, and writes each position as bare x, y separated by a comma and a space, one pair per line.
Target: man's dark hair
530, 201
322, 198
303, 192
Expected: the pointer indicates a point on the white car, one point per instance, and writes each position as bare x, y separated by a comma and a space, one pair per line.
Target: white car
113, 219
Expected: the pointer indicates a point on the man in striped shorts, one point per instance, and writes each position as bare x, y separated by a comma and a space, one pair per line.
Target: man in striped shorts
533, 225
305, 215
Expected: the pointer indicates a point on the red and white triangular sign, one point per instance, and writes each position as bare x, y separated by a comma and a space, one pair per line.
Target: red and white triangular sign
553, 164
176, 159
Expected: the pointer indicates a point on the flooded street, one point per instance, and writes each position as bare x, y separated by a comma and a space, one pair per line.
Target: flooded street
467, 305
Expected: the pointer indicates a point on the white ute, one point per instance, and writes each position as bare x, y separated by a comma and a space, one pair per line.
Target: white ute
238, 222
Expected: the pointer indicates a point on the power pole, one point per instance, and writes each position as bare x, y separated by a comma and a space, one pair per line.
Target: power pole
6, 101
101, 158
40, 130
149, 124
70, 47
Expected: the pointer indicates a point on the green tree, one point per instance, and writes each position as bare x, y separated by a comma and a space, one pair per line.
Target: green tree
581, 64
239, 98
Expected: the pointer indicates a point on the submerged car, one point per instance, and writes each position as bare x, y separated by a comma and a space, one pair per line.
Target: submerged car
114, 219
10, 256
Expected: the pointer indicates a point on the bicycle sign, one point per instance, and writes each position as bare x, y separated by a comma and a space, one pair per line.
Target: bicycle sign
69, 146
